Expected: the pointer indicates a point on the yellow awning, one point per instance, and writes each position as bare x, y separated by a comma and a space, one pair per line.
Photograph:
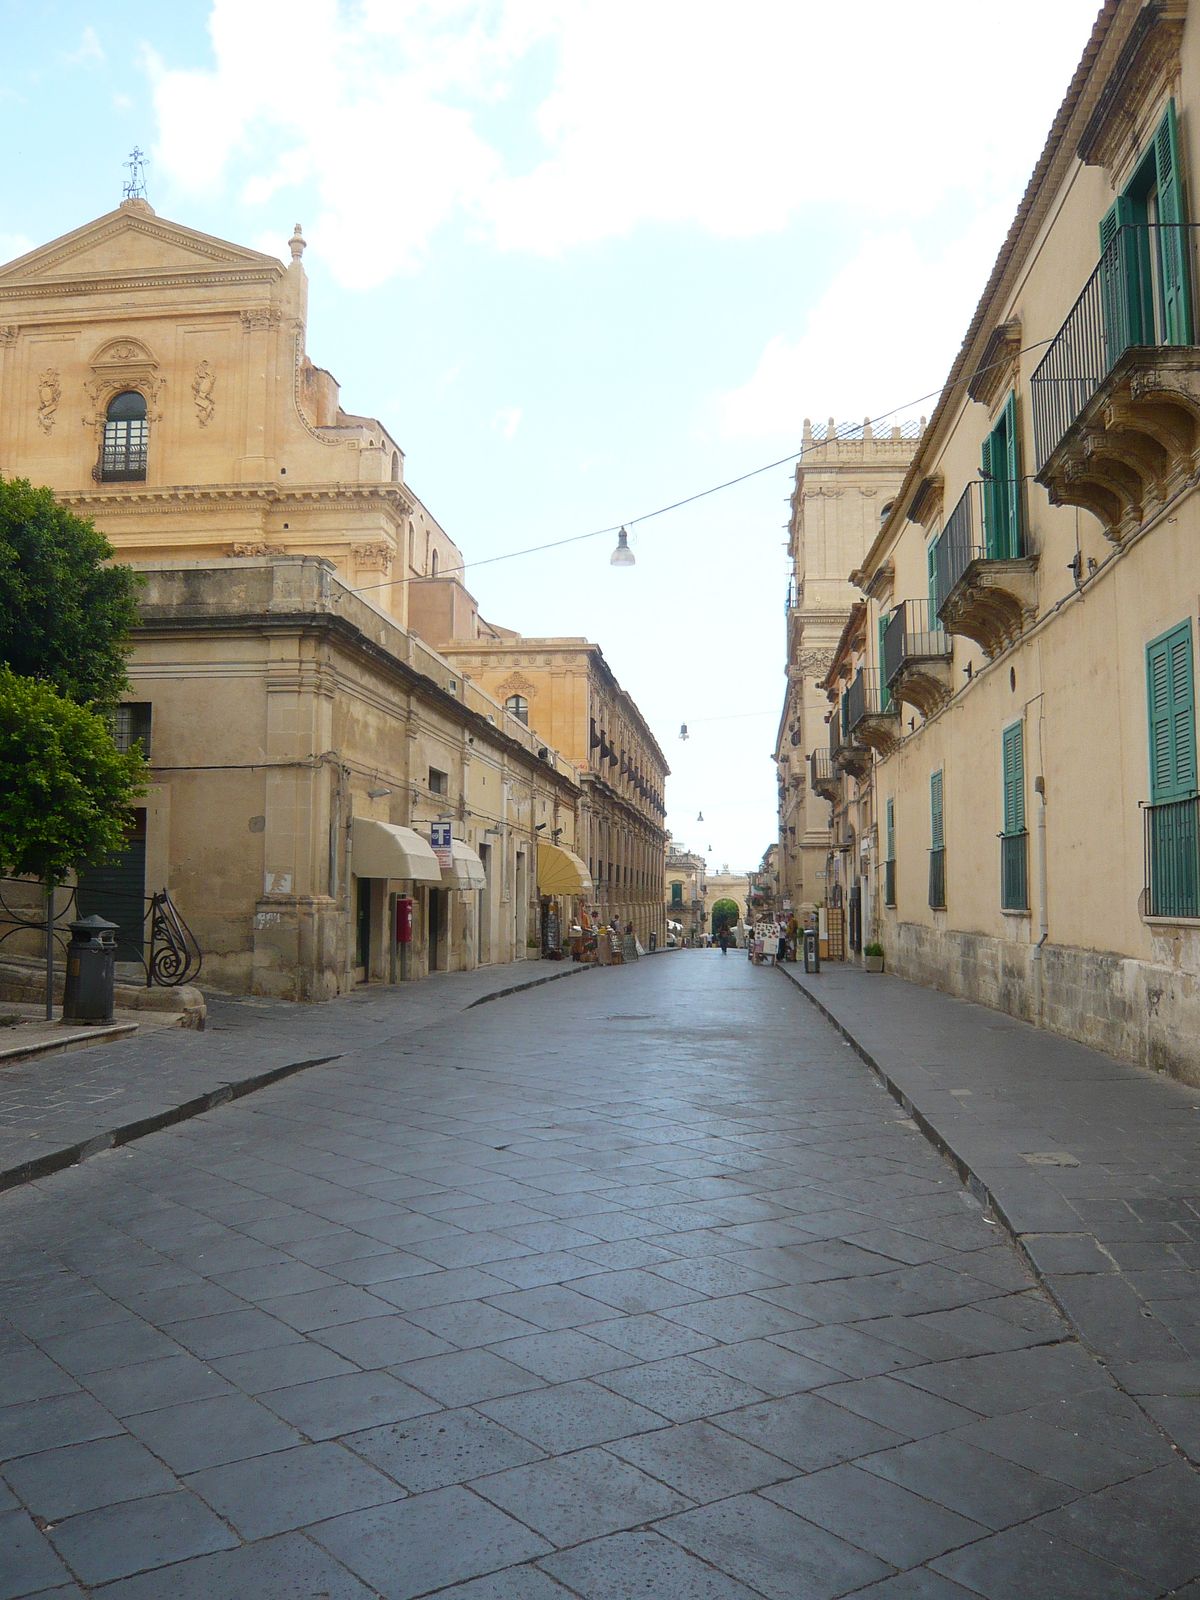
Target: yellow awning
382, 850
466, 871
560, 871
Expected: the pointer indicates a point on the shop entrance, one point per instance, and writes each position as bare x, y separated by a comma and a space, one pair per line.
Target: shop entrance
362, 927
437, 925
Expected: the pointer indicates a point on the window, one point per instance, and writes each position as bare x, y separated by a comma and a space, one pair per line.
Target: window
1144, 252
931, 569
123, 457
889, 864
131, 725
677, 894
1001, 474
937, 843
885, 693
1172, 823
433, 564
1014, 857
439, 783
519, 707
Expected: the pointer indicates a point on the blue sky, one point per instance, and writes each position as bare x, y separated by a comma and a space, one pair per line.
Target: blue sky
583, 260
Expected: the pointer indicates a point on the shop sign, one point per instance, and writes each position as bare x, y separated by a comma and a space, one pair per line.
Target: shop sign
439, 838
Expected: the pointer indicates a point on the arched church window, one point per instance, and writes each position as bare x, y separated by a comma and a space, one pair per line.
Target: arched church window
433, 565
519, 706
126, 434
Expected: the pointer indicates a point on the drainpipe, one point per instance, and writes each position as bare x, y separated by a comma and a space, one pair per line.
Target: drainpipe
348, 885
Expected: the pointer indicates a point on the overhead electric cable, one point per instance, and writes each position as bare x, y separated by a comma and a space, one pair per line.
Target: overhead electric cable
847, 431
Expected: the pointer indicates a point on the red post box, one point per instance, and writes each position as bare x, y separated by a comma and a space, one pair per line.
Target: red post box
404, 919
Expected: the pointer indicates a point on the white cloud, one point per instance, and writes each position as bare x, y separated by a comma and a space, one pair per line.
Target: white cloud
882, 335
406, 116
89, 52
506, 421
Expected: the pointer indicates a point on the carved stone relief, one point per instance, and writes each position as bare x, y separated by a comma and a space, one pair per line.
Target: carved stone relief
261, 317
516, 683
203, 385
257, 550
49, 394
8, 333
372, 557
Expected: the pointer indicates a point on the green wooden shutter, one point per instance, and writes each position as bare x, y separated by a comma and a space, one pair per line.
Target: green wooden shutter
937, 833
931, 559
1010, 534
1120, 280
991, 471
1172, 239
891, 829
1170, 684
1013, 754
885, 694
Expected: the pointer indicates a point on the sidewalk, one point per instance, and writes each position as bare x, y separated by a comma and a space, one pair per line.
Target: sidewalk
56, 1110
1091, 1163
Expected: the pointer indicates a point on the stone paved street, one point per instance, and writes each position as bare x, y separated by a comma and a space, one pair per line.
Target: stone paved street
640, 1285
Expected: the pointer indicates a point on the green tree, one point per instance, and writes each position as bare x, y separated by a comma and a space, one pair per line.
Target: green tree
724, 915
65, 788
65, 610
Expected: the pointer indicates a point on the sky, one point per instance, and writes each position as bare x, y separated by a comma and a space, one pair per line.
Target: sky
583, 260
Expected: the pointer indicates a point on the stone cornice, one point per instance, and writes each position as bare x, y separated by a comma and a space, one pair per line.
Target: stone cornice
1149, 60
996, 369
117, 282
126, 501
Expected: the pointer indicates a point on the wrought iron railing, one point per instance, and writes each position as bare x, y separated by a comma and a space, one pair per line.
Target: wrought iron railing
167, 951
937, 879
866, 699
889, 883
1172, 858
1121, 306
979, 529
820, 768
911, 634
1014, 871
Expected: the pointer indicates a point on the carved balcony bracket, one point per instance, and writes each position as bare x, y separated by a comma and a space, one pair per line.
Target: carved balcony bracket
826, 786
925, 684
926, 505
1135, 443
998, 364
853, 759
880, 730
993, 602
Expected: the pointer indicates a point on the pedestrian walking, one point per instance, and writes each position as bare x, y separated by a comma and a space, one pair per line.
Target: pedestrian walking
723, 939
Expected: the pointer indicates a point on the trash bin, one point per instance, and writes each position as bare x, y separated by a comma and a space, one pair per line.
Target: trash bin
91, 959
812, 951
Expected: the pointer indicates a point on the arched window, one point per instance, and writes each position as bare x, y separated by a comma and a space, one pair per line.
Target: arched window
395, 466
519, 706
125, 436
433, 565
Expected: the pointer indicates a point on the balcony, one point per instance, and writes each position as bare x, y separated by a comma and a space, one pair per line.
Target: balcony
822, 776
916, 657
986, 583
872, 715
1116, 398
1172, 859
845, 753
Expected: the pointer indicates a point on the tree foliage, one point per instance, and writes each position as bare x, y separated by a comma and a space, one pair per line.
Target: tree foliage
65, 788
65, 610
724, 914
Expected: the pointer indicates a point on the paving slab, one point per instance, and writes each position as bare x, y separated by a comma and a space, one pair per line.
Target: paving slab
319, 1321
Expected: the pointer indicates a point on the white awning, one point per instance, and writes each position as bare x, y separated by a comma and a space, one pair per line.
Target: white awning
466, 870
560, 871
382, 850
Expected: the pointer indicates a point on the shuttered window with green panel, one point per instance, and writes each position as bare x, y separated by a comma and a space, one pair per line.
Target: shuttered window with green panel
1172, 833
1014, 856
1000, 470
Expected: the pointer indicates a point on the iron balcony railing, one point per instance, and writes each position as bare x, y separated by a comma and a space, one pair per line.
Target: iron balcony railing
911, 634
820, 767
837, 738
1173, 858
793, 596
889, 883
1139, 295
864, 698
937, 879
1014, 871
987, 524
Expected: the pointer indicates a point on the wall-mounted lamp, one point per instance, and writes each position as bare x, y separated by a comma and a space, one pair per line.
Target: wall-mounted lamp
683, 733
539, 826
556, 833
699, 816
377, 794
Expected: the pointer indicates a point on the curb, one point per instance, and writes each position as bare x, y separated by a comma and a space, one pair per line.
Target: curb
69, 1155
530, 983
104, 1034
984, 1194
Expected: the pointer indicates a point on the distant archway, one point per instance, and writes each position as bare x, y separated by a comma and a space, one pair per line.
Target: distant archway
724, 914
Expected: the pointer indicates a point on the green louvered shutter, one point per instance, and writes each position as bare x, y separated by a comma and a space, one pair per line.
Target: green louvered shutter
1172, 239
1010, 532
1013, 751
885, 694
1120, 280
891, 829
937, 832
1172, 715
991, 470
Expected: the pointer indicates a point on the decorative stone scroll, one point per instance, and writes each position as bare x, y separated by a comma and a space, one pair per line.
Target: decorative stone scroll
516, 683
49, 394
203, 385
261, 317
375, 557
259, 549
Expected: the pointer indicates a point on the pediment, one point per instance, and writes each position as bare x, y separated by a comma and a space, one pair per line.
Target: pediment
131, 243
